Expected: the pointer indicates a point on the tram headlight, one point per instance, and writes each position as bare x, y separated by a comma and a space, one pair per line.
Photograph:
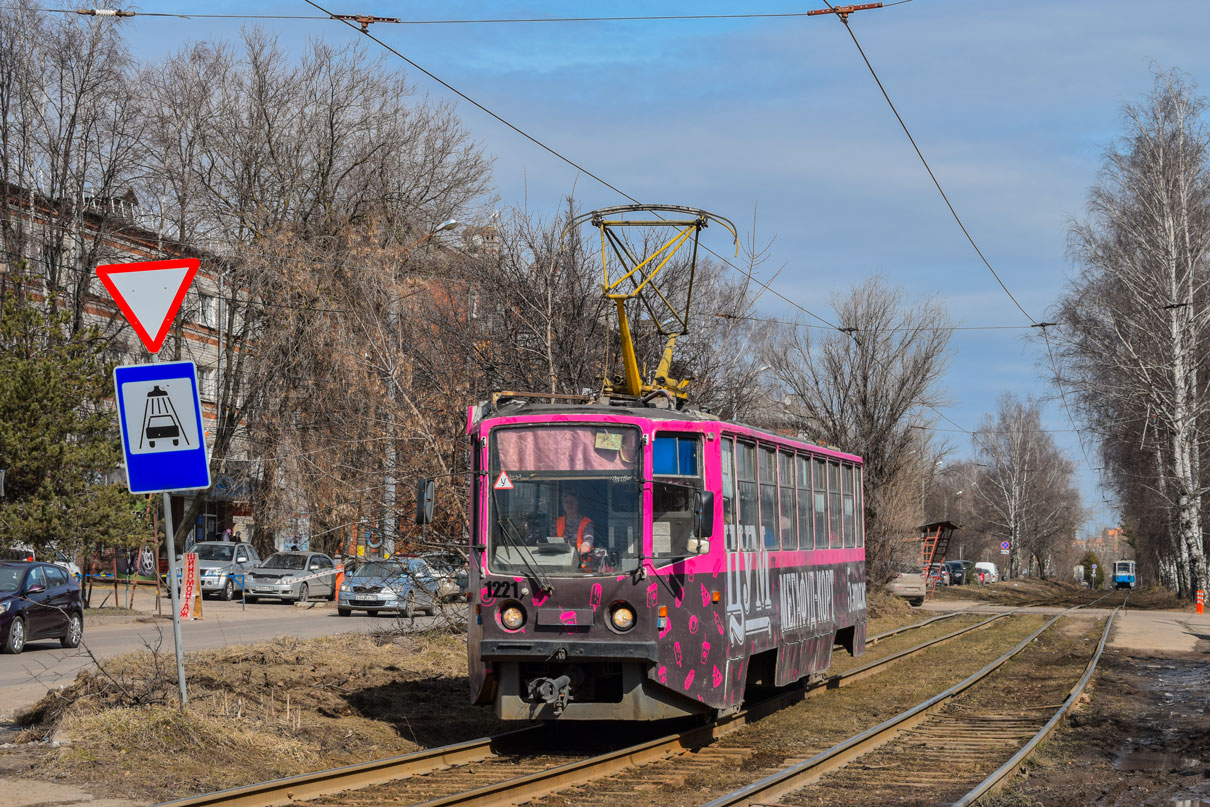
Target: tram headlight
512, 616
622, 617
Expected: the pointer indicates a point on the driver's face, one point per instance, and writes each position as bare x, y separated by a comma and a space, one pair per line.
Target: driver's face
570, 503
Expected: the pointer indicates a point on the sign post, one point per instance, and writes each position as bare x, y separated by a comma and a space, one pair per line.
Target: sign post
158, 405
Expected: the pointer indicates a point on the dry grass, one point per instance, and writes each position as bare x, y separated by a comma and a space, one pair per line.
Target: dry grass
256, 712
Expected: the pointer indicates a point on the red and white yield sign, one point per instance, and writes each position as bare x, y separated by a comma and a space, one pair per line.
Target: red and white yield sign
149, 294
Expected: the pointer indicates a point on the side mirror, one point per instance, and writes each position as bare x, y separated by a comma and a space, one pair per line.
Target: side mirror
426, 493
703, 520
36, 588
241, 559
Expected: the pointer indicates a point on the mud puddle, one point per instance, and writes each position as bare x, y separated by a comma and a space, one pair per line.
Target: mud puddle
1143, 741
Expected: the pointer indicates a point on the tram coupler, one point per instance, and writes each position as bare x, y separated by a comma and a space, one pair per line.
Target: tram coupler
555, 691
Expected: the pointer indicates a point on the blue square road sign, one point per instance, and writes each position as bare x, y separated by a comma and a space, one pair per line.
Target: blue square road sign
161, 417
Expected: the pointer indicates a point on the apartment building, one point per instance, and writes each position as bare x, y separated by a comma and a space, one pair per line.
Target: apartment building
62, 242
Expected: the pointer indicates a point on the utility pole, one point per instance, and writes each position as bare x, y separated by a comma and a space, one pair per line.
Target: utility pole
390, 523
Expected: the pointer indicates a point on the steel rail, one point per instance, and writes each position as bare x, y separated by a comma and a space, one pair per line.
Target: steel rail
796, 776
351, 777
999, 777
541, 783
290, 789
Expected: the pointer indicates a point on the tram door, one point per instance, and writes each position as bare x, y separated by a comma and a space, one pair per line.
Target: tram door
748, 613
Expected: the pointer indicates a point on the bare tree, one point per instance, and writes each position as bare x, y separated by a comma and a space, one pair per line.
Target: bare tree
308, 180
864, 388
1025, 491
1136, 320
70, 129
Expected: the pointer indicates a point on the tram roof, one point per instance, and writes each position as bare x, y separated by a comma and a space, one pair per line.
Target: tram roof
523, 409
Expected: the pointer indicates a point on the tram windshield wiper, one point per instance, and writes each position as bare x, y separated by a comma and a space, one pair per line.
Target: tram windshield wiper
523, 552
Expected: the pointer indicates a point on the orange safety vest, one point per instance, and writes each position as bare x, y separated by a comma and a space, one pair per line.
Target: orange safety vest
585, 521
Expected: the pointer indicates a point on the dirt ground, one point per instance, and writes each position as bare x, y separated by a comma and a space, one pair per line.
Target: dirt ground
256, 712
1142, 740
1028, 589
290, 706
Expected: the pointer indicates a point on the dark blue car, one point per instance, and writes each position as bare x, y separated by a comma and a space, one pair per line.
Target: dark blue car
38, 601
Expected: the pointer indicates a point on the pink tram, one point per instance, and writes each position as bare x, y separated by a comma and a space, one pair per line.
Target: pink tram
633, 563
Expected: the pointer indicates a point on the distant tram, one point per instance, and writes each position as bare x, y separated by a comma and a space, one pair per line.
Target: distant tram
1123, 574
634, 559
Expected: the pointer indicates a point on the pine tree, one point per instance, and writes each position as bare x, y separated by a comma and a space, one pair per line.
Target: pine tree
59, 443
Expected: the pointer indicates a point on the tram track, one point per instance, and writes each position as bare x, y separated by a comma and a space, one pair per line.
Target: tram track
936, 746
439, 777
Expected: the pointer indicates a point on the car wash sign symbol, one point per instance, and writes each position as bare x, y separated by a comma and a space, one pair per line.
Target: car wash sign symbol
161, 417
149, 294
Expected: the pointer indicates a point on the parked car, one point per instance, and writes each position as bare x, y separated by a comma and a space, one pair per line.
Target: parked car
25, 552
38, 601
962, 572
223, 566
909, 584
293, 576
940, 573
990, 574
449, 570
400, 585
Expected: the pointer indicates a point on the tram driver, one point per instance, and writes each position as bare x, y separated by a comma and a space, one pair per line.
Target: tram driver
574, 523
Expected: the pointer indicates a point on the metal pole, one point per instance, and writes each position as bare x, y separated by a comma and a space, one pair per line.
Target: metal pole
172, 593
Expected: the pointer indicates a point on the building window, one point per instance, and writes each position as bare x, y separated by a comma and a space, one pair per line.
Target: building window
207, 386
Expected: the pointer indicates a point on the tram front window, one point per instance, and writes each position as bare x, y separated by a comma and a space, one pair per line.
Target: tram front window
565, 500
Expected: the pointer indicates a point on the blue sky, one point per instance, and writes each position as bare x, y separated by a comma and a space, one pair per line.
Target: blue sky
1011, 101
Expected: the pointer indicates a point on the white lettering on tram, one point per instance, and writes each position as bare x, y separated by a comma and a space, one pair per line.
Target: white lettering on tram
749, 594
807, 602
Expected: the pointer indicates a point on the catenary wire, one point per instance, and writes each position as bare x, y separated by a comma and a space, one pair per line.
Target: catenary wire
481, 21
969, 238
365, 32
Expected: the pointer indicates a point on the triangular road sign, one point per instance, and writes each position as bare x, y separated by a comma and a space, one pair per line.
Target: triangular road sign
149, 294
503, 482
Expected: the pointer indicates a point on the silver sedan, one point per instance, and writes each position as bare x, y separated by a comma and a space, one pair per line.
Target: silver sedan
292, 576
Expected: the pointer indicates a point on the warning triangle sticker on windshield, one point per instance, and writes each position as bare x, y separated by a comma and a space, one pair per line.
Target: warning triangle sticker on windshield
503, 482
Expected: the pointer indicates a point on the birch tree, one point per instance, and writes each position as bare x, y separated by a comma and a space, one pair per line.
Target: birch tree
1025, 492
1136, 320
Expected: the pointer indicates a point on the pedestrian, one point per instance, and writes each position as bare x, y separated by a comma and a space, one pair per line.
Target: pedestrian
227, 535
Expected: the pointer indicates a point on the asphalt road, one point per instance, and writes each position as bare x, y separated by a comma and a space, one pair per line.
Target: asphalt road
45, 665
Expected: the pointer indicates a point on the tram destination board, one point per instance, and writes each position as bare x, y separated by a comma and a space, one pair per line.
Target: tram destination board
161, 419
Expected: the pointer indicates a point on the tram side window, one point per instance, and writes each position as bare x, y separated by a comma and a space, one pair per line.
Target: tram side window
860, 506
835, 529
850, 522
677, 470
806, 539
768, 496
789, 516
728, 462
745, 472
821, 504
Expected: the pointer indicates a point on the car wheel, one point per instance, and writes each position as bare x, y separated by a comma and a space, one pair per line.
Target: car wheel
75, 631
304, 591
344, 611
229, 591
16, 637
919, 601
250, 599
409, 606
